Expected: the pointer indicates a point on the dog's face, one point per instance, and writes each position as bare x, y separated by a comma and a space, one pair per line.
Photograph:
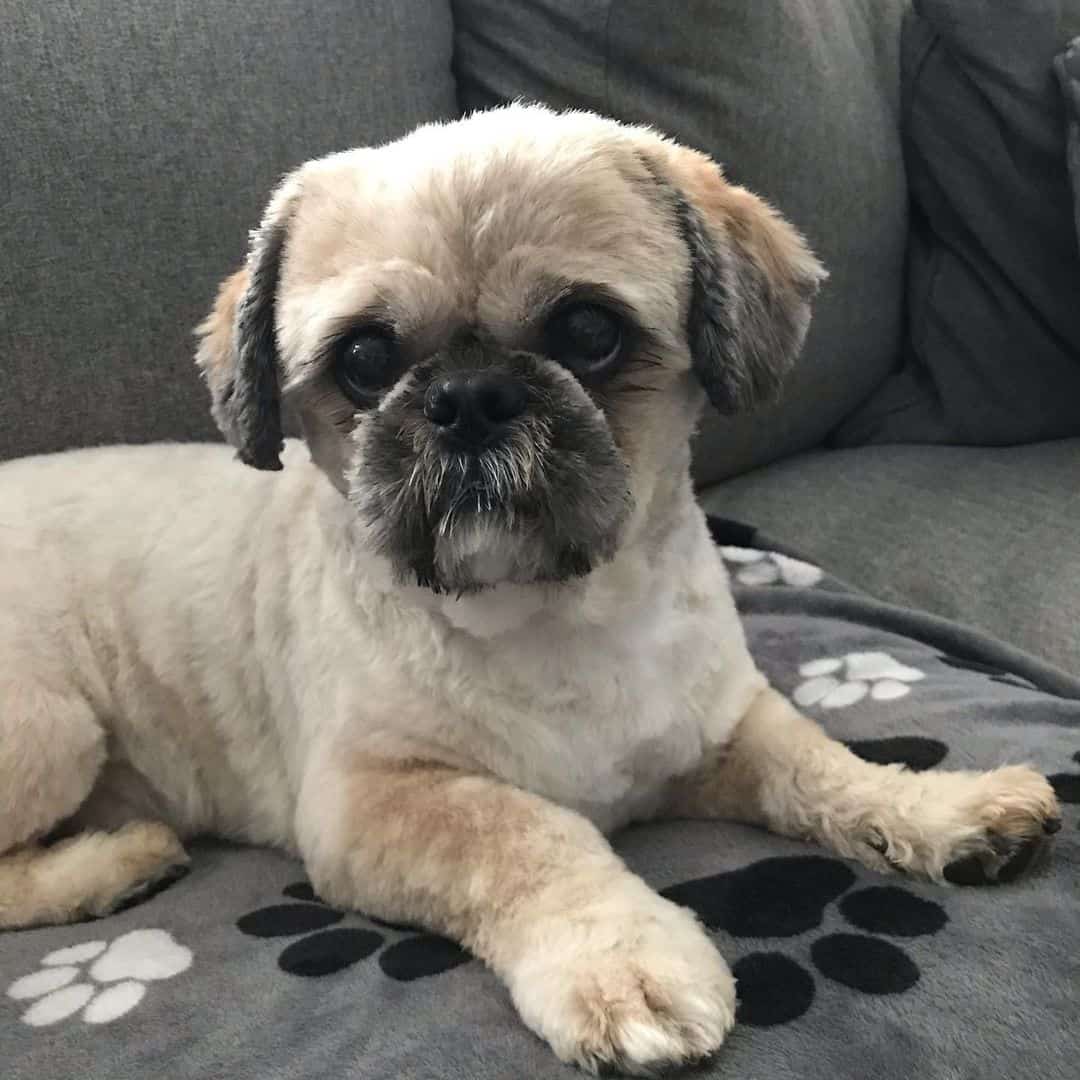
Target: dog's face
497, 334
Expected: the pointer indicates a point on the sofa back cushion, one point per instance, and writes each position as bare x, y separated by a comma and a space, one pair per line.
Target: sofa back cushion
798, 101
992, 347
140, 141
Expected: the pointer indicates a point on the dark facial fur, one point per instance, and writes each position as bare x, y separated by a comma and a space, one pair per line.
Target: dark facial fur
551, 493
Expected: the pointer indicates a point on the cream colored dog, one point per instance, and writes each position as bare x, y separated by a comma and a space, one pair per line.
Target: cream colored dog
479, 621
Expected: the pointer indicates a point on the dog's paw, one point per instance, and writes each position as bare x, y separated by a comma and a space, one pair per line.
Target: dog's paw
638, 990
144, 858
1016, 809
968, 828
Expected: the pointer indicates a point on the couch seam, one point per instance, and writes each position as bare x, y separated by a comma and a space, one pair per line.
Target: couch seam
606, 97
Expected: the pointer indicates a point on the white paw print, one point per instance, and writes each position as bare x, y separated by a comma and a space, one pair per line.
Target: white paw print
836, 682
767, 568
117, 977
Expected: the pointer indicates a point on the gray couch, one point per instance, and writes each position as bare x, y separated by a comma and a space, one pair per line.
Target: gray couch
927, 452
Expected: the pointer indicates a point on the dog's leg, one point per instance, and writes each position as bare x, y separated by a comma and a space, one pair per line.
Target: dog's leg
598, 964
52, 750
782, 771
88, 875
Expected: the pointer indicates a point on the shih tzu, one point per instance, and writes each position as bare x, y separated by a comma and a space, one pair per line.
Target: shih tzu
475, 620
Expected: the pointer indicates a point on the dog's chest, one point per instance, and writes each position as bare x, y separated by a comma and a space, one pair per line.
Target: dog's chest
596, 715
597, 718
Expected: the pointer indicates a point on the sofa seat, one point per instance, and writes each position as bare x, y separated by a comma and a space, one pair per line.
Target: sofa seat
987, 537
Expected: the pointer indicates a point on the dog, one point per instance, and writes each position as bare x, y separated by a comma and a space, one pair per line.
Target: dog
474, 620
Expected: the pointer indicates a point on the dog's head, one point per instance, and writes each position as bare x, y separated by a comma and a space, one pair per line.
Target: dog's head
497, 334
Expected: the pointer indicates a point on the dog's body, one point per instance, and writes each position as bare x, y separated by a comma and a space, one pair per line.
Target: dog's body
485, 622
227, 643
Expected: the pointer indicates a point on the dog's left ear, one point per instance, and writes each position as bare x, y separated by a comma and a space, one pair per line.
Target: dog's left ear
238, 353
752, 279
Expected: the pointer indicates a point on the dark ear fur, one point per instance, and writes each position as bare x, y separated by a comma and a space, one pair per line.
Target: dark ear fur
751, 281
255, 403
238, 351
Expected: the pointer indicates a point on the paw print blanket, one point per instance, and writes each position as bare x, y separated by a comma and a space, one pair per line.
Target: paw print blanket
239, 970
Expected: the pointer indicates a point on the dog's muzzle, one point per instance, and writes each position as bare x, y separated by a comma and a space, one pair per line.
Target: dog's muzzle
478, 469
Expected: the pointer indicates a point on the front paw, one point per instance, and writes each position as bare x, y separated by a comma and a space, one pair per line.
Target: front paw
631, 983
968, 828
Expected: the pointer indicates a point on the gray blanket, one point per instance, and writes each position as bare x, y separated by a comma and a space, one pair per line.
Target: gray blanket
239, 971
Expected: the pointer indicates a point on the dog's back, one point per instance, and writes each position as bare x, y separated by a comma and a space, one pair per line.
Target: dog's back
124, 582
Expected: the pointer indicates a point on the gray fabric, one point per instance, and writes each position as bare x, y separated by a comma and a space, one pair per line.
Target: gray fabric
140, 141
798, 101
993, 336
992, 994
1067, 66
987, 537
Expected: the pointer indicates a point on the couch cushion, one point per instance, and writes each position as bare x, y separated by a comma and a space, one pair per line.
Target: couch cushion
140, 141
987, 537
799, 101
993, 336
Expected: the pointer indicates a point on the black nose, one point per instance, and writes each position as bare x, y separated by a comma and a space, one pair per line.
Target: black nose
473, 405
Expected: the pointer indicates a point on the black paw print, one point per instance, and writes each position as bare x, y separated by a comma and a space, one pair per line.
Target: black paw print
787, 897
727, 532
914, 751
322, 952
1067, 785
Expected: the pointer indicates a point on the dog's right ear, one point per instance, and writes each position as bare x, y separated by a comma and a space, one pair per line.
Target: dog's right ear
238, 351
752, 277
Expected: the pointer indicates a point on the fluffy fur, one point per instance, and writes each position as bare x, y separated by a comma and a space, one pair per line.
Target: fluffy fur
439, 677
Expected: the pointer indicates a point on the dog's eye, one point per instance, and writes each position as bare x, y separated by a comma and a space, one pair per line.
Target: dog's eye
366, 362
585, 338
